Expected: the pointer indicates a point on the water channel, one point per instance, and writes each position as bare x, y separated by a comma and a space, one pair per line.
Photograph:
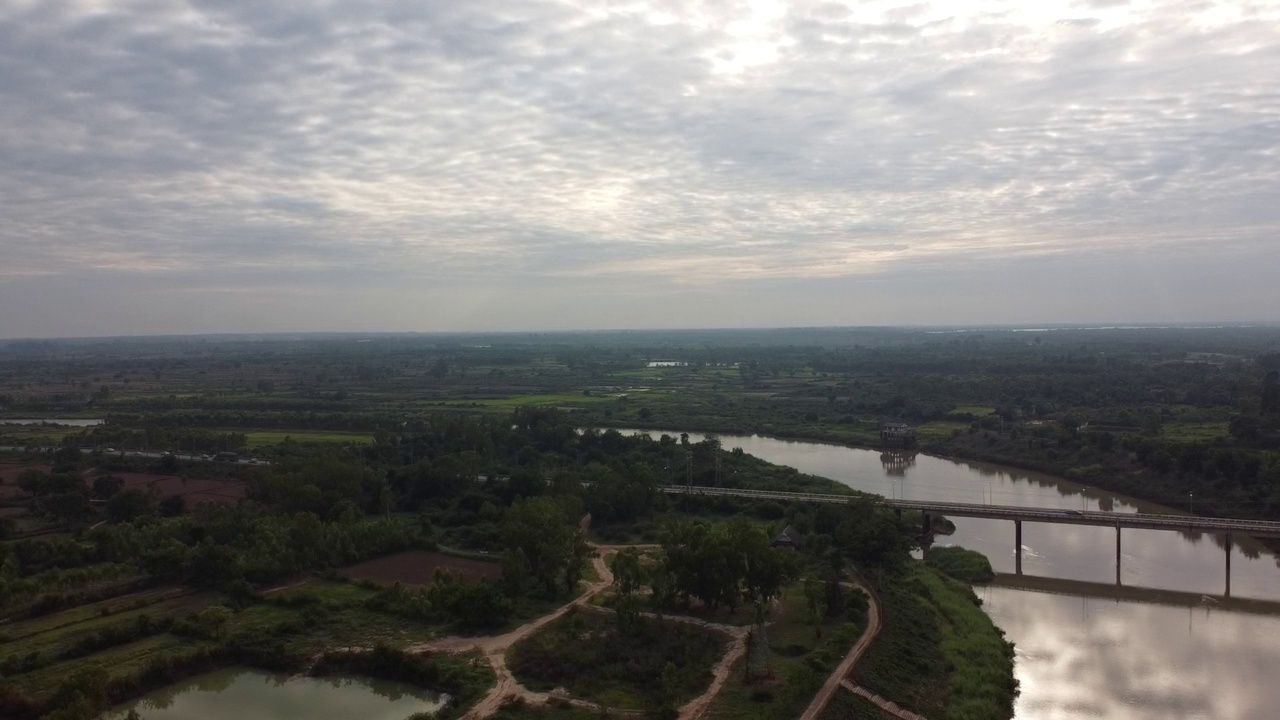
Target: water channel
240, 694
1081, 655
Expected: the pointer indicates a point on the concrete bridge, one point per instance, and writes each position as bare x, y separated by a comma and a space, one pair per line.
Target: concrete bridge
1018, 515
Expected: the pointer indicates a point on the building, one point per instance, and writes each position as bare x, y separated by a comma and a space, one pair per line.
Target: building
788, 538
894, 434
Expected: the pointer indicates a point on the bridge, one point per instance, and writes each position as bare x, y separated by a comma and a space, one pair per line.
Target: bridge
1018, 515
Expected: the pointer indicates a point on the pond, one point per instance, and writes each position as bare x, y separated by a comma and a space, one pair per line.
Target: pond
242, 694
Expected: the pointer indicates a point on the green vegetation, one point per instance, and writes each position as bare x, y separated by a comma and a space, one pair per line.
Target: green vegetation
466, 678
552, 711
469, 443
647, 664
847, 706
270, 438
967, 566
802, 654
971, 679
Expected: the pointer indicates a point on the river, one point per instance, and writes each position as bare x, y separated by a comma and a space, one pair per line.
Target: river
240, 694
1084, 656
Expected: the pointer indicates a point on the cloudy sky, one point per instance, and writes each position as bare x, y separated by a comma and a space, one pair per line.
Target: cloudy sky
249, 165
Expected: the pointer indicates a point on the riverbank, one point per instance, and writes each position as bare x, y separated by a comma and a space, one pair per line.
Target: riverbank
938, 653
1134, 485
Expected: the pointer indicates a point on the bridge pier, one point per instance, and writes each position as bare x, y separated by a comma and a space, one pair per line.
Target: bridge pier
927, 525
1228, 589
1117, 554
1017, 540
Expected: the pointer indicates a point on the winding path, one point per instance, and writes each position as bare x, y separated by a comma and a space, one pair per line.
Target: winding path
838, 679
494, 649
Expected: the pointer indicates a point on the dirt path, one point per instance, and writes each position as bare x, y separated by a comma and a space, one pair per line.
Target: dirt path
832, 685
494, 649
886, 705
697, 707
506, 686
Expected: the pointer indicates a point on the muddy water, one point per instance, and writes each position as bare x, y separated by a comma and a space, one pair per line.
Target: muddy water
1090, 657
239, 694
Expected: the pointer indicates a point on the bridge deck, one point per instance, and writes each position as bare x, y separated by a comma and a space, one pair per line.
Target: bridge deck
1188, 523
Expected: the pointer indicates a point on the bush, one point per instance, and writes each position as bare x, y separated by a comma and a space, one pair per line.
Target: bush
967, 566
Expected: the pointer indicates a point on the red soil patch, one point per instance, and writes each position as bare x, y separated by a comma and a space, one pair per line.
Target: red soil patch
9, 475
193, 490
418, 567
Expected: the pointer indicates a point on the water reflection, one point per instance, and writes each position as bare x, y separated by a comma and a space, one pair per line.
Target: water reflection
1188, 561
1088, 658
1122, 658
236, 694
896, 463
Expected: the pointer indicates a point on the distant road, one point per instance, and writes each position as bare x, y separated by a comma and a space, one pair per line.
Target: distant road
140, 454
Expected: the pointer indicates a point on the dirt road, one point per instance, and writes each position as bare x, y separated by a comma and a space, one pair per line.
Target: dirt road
832, 685
495, 648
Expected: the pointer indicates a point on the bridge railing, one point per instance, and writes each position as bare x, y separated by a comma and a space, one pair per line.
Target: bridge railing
1026, 512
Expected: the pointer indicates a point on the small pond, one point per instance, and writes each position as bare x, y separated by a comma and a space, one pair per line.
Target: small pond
241, 694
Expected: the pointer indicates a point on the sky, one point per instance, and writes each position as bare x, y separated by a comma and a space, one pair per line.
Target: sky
192, 166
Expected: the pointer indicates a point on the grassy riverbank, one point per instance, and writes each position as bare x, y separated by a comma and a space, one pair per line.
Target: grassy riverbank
938, 653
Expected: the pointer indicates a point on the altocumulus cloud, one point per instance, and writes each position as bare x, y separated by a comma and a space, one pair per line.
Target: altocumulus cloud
254, 150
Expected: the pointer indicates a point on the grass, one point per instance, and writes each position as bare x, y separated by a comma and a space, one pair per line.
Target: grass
58, 633
974, 410
967, 566
939, 431
1194, 432
938, 653
322, 613
801, 662
510, 403
520, 711
120, 660
266, 438
845, 705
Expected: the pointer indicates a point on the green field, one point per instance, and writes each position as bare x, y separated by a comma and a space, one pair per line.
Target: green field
266, 438
975, 410
1195, 432
938, 431
510, 403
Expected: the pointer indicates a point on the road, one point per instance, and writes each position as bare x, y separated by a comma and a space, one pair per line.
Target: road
140, 454
1256, 528
860, 648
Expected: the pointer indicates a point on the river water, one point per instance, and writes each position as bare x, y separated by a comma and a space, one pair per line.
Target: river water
1079, 654
240, 694
63, 422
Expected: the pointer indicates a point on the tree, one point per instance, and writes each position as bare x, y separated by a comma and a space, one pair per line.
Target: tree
32, 481
67, 506
105, 486
545, 532
128, 506
81, 696
173, 506
213, 621
628, 572
816, 600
